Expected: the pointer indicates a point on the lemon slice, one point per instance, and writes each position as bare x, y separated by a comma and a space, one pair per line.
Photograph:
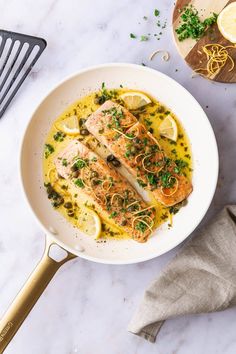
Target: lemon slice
227, 22
89, 222
168, 128
69, 125
135, 100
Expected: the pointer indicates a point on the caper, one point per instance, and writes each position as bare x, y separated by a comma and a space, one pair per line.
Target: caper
110, 158
131, 208
99, 99
49, 189
120, 201
55, 195
68, 205
84, 132
116, 163
75, 174
50, 195
123, 222
82, 122
95, 182
161, 109
70, 212
94, 174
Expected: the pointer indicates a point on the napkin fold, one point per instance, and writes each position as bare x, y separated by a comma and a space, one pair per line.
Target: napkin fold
200, 279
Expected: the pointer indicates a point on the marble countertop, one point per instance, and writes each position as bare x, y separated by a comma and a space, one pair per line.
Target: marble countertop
87, 306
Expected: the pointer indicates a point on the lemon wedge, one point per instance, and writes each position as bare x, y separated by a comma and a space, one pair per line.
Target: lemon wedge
89, 222
135, 100
168, 128
227, 22
69, 125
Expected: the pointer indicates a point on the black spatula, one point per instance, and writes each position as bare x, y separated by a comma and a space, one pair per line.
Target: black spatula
18, 54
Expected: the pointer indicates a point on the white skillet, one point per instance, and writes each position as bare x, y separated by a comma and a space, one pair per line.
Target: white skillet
205, 162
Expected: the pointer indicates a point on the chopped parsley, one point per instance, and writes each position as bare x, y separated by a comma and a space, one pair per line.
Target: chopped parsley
140, 226
59, 136
192, 26
144, 38
48, 150
104, 95
132, 35
156, 12
64, 162
141, 183
113, 215
79, 183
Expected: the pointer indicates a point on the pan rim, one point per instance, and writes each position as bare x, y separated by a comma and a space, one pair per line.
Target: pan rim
119, 261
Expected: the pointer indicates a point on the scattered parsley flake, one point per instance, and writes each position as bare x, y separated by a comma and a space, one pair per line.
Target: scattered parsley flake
144, 38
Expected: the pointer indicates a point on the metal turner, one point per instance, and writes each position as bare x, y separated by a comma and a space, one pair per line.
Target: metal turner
18, 54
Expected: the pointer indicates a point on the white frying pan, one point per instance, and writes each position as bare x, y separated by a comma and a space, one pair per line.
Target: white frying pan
58, 231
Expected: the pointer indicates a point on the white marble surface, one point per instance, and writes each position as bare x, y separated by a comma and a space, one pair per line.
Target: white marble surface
87, 306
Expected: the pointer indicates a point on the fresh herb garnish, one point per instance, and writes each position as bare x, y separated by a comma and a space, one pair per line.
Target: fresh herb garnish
79, 164
140, 226
104, 95
59, 136
64, 162
167, 180
141, 183
192, 26
113, 215
48, 150
144, 38
132, 35
152, 179
156, 12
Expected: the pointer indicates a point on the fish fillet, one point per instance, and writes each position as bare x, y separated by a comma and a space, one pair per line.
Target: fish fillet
139, 152
111, 195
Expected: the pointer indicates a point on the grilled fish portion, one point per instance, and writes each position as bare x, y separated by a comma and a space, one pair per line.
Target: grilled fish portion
140, 153
109, 192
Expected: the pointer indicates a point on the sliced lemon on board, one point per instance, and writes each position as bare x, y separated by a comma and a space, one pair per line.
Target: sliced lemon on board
168, 128
89, 222
135, 100
227, 22
69, 126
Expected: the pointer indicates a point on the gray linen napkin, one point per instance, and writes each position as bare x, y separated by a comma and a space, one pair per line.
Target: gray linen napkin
200, 279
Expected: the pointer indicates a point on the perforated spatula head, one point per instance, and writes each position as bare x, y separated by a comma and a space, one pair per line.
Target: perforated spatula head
18, 54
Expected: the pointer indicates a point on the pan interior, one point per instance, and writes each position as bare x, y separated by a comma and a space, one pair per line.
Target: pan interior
204, 151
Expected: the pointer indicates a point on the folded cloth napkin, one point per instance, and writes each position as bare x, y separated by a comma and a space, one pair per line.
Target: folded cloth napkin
200, 279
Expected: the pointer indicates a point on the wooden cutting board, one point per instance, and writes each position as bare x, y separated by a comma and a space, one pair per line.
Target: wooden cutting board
190, 49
